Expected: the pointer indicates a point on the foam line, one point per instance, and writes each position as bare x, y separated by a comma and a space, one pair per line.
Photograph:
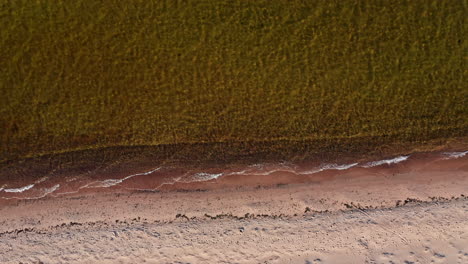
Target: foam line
386, 161
203, 176
454, 155
46, 192
329, 167
111, 182
18, 190
24, 188
49, 191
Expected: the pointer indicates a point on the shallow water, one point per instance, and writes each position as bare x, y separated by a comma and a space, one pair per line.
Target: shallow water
170, 178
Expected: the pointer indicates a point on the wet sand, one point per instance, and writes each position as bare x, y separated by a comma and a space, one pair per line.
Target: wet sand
397, 209
157, 176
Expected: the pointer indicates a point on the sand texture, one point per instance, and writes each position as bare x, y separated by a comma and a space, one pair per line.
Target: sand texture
422, 233
411, 212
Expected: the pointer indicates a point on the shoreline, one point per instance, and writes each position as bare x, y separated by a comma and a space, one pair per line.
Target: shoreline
412, 210
159, 177
276, 193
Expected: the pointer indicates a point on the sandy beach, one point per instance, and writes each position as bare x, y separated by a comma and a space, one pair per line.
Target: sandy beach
419, 233
410, 211
188, 132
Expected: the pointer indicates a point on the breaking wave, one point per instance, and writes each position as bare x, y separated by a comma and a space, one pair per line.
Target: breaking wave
386, 161
329, 167
454, 155
17, 190
24, 188
112, 182
203, 176
46, 191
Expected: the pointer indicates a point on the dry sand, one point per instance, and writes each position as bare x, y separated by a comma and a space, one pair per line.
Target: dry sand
403, 214
423, 233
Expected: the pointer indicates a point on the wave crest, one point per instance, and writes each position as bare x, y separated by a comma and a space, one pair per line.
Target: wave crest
332, 166
454, 155
111, 182
18, 190
203, 176
386, 161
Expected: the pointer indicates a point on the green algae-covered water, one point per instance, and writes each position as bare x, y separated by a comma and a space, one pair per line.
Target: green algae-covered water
90, 74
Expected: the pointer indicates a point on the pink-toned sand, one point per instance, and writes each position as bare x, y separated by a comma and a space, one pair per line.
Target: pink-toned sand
414, 210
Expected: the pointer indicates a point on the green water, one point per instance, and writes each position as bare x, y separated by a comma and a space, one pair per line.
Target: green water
88, 74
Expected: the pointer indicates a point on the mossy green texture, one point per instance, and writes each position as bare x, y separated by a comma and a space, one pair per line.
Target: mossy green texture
95, 73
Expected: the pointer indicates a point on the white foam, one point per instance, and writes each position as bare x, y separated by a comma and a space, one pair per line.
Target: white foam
269, 172
290, 169
18, 190
332, 166
203, 176
386, 161
454, 155
172, 182
111, 182
338, 167
344, 166
242, 172
105, 183
46, 192
49, 190
24, 188
283, 167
